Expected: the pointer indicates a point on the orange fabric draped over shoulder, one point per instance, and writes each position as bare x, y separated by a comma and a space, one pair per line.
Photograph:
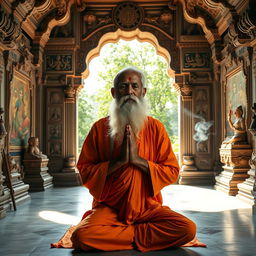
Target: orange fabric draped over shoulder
127, 209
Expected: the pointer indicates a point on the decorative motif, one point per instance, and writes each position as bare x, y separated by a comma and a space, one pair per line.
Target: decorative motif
55, 132
128, 16
55, 98
55, 114
9, 29
244, 30
198, 60
70, 92
55, 148
58, 62
186, 90
163, 20
61, 7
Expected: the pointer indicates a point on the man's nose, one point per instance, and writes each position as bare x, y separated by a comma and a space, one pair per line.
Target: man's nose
130, 89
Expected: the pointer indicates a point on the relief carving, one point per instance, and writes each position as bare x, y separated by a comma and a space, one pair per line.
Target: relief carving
58, 62
128, 16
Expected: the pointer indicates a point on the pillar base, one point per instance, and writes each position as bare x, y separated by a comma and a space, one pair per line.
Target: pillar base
204, 178
246, 188
228, 179
66, 179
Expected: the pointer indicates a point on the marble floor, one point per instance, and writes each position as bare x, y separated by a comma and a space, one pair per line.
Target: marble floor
224, 223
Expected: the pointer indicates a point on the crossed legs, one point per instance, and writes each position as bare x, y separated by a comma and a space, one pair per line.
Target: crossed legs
160, 229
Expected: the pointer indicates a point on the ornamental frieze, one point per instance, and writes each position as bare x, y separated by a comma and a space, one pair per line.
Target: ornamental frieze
196, 60
58, 62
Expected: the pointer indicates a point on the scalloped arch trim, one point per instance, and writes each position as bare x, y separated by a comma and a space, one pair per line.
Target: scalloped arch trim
113, 37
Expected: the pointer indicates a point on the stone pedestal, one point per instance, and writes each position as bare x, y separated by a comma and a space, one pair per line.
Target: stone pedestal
247, 189
36, 174
236, 160
69, 175
190, 175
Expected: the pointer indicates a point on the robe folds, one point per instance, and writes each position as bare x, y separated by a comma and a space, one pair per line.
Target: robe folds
127, 211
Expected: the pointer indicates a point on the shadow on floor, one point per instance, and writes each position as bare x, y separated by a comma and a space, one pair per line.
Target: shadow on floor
169, 252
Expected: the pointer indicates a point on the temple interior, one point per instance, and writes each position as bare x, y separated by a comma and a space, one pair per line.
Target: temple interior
46, 47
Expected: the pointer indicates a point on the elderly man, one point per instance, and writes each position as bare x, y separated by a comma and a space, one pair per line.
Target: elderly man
126, 160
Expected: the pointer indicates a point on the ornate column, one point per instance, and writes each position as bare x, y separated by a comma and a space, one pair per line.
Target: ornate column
188, 169
2, 144
69, 175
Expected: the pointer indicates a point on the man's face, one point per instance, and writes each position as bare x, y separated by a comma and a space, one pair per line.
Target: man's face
129, 83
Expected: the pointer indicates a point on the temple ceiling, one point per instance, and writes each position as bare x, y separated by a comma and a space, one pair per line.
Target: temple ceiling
38, 18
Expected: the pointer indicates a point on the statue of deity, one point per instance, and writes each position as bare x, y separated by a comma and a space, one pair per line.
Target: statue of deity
238, 126
33, 151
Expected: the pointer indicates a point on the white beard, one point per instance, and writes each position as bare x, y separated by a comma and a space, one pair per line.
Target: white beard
124, 112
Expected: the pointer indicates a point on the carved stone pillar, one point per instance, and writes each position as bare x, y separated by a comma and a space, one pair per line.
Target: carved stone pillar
188, 170
2, 137
69, 175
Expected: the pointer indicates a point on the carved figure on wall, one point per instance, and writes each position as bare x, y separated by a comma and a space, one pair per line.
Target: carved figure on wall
202, 146
33, 151
55, 114
238, 126
55, 131
196, 60
55, 148
55, 98
59, 62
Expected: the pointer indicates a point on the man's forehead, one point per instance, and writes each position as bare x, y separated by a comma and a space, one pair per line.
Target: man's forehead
130, 75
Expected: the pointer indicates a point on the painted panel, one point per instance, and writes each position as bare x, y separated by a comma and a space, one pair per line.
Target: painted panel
20, 114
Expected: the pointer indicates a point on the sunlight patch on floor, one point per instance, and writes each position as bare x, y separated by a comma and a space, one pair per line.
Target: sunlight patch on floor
59, 217
190, 198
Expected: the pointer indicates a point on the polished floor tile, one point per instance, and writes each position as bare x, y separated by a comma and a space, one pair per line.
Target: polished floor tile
224, 223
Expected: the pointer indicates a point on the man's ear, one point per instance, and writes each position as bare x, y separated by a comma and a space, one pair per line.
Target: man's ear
144, 91
113, 92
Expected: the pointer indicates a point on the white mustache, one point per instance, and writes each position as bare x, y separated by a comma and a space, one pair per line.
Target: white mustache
123, 100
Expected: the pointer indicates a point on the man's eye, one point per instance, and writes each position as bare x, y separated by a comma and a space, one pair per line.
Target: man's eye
122, 86
135, 85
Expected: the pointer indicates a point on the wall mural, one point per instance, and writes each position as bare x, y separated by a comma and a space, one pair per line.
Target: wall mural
235, 96
19, 112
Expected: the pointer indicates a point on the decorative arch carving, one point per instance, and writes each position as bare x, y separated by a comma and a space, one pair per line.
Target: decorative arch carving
113, 37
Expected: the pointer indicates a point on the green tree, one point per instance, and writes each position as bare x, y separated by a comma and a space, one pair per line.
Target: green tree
85, 116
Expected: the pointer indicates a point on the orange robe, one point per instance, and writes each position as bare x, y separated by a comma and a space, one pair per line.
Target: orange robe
127, 211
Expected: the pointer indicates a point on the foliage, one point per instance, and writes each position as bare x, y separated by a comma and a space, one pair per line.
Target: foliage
85, 116
160, 94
